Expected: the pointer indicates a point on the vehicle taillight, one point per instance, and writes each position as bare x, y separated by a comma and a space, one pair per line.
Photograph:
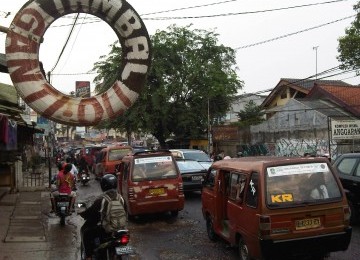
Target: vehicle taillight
131, 193
124, 240
181, 188
347, 213
264, 225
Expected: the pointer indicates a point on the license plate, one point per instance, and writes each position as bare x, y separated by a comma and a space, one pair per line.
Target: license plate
63, 204
307, 223
197, 178
124, 250
157, 191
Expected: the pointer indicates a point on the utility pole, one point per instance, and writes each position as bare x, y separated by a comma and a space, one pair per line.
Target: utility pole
316, 58
209, 129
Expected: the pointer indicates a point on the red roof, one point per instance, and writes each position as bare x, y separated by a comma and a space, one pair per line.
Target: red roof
346, 96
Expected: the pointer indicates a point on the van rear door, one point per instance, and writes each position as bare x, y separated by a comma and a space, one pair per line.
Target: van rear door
155, 178
304, 200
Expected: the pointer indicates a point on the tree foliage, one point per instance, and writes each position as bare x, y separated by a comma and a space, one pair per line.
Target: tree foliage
189, 71
349, 45
251, 114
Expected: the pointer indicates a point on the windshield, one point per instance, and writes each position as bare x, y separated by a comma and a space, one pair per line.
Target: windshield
289, 185
152, 168
190, 165
200, 157
118, 154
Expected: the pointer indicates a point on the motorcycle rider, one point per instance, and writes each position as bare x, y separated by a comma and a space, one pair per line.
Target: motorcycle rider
83, 166
65, 183
92, 227
74, 170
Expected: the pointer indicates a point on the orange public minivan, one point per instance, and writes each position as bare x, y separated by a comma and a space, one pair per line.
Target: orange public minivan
109, 157
150, 182
276, 207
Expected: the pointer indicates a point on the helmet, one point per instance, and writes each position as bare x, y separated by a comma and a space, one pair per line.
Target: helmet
108, 181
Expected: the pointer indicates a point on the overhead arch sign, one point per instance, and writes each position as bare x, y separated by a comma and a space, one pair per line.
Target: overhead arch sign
345, 129
22, 54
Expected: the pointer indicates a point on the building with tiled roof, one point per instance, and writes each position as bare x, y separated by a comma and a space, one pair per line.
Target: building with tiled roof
289, 88
347, 97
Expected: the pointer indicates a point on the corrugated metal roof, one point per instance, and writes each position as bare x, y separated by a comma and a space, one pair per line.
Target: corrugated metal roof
8, 94
326, 108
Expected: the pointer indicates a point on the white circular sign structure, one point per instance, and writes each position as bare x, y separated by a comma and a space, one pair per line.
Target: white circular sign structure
22, 54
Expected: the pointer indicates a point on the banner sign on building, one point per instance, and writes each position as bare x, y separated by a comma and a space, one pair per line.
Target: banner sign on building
82, 89
345, 129
225, 133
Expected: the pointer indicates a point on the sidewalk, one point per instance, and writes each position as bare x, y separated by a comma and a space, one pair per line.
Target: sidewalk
22, 223
22, 220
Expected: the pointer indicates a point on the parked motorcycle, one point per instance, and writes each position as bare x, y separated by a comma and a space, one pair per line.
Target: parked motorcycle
62, 203
113, 246
84, 177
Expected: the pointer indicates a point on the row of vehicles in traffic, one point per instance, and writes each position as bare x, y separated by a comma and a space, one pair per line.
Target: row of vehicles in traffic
267, 207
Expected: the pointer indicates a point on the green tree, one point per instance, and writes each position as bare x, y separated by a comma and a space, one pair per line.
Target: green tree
251, 114
189, 71
349, 45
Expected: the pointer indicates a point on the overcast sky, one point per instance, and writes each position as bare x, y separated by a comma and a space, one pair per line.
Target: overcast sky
274, 39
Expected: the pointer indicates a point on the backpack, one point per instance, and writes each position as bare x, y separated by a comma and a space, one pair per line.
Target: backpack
113, 215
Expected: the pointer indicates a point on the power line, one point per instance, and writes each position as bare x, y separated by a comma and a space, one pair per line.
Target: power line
350, 77
72, 45
242, 13
190, 7
67, 40
96, 20
73, 74
334, 69
294, 33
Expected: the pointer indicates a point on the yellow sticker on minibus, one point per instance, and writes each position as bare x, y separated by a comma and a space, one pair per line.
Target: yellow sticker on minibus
281, 198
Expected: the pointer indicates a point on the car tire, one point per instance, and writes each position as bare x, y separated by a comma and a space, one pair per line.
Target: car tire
243, 250
210, 229
174, 213
129, 217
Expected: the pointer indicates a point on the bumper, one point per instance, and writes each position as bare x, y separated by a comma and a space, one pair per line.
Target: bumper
321, 244
192, 186
137, 208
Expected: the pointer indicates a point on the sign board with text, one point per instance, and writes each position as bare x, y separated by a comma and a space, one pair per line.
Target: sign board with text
345, 129
82, 89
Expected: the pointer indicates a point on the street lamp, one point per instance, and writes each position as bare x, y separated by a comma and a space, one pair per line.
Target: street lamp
316, 49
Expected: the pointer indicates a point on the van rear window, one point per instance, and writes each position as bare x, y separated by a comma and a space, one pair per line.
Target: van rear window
118, 154
290, 185
152, 168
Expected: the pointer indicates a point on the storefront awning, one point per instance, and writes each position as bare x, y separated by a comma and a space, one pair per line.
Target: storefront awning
3, 66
